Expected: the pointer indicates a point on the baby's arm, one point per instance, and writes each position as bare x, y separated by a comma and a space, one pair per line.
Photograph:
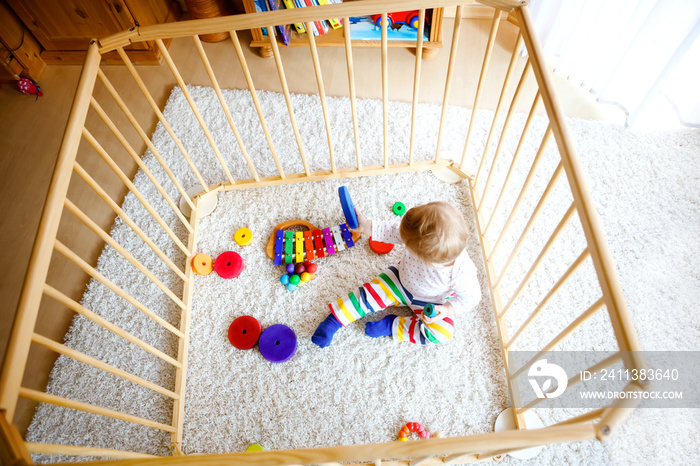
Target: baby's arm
385, 232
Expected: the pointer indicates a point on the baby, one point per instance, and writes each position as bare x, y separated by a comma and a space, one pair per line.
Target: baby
435, 268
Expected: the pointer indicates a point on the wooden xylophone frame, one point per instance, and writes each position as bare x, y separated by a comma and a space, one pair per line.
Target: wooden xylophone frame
598, 423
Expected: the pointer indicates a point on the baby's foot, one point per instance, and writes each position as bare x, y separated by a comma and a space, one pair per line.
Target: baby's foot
323, 336
380, 328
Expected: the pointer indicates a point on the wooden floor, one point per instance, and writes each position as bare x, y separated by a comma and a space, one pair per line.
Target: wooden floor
31, 133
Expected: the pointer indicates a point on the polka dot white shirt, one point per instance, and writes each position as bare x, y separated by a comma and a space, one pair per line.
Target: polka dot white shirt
433, 283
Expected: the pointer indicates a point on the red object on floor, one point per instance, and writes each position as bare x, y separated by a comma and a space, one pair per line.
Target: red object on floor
244, 332
229, 264
379, 247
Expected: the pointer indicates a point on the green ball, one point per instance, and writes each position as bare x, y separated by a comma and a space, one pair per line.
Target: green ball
399, 208
294, 279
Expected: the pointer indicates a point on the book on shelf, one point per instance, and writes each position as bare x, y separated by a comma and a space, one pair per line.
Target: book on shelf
321, 26
284, 29
334, 22
289, 4
260, 6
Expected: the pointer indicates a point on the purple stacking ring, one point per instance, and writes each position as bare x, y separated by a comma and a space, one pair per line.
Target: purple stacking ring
277, 343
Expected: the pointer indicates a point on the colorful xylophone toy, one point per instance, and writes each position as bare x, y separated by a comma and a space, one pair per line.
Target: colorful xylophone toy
288, 246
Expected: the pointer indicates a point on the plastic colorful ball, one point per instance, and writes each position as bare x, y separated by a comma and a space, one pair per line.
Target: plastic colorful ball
291, 287
299, 269
284, 279
305, 277
290, 268
294, 279
311, 268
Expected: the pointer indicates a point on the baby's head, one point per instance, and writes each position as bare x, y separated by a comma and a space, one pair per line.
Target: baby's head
435, 232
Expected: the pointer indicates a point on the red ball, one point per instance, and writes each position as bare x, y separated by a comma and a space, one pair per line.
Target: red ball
300, 269
311, 268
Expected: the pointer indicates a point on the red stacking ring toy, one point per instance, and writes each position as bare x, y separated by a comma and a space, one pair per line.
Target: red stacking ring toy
229, 264
379, 247
244, 332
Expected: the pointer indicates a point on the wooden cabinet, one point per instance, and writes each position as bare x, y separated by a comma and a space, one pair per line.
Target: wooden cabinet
335, 37
64, 28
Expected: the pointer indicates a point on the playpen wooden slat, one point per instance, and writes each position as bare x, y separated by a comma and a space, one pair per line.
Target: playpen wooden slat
30, 298
540, 257
416, 83
99, 320
154, 106
184, 343
501, 99
585, 417
504, 131
563, 279
127, 182
362, 454
576, 378
321, 93
351, 86
501, 327
13, 450
620, 410
224, 106
287, 96
72, 450
85, 267
526, 185
385, 87
297, 15
118, 210
448, 77
90, 408
587, 314
176, 74
130, 150
482, 79
256, 102
581, 419
605, 269
88, 222
533, 217
84, 358
513, 163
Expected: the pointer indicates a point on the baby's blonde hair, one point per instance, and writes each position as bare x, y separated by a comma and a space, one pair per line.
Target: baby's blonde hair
436, 232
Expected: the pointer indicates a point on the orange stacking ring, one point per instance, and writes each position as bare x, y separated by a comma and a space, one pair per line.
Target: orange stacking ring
412, 427
202, 264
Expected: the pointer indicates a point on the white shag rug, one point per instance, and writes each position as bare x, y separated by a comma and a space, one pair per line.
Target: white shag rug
363, 390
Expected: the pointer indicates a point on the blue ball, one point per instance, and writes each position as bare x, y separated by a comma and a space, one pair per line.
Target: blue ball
291, 267
291, 287
284, 279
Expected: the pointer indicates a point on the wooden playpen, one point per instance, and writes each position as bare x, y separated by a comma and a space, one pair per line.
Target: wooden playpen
598, 423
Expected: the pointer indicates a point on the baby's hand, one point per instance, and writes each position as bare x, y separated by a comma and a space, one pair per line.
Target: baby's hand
445, 310
365, 226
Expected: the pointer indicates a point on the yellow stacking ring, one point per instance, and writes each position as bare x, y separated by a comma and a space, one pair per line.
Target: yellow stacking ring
202, 264
243, 236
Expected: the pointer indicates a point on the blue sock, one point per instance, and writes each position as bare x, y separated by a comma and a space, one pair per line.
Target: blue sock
380, 328
323, 336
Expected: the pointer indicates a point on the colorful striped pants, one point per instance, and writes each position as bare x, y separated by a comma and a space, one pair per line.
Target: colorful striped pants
384, 291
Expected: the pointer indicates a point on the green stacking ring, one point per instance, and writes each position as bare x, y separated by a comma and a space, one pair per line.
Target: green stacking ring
399, 208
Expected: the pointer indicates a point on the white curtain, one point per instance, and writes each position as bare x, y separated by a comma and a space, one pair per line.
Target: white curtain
628, 52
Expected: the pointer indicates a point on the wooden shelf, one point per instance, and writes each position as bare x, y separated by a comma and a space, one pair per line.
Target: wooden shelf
336, 37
